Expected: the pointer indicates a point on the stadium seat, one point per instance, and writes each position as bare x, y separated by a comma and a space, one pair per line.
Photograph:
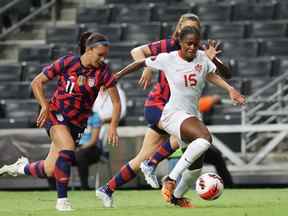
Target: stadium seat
113, 31
268, 29
240, 48
117, 64
134, 14
226, 31
10, 72
254, 68
170, 13
143, 33
63, 35
214, 12
100, 15
254, 11
275, 47
40, 53
14, 90
122, 49
21, 109
30, 70
60, 50
9, 123
282, 10
283, 66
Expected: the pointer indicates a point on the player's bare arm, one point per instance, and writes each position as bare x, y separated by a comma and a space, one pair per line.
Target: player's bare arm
112, 134
140, 53
38, 89
235, 96
136, 65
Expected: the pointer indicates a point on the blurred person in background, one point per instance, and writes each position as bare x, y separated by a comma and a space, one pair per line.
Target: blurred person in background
65, 115
92, 146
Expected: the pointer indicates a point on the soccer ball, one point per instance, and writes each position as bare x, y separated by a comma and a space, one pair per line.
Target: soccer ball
209, 186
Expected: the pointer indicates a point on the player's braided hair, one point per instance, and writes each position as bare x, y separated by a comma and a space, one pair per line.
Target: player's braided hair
189, 30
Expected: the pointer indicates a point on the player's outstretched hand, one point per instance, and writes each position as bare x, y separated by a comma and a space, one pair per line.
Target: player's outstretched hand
43, 116
212, 49
236, 97
113, 138
146, 78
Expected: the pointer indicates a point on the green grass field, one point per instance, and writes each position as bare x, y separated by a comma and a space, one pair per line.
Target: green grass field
256, 202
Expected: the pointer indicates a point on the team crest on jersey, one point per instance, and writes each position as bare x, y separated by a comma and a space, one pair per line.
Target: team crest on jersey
91, 82
198, 68
81, 80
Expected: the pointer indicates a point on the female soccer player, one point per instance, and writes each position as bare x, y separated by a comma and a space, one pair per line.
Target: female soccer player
157, 99
186, 71
66, 114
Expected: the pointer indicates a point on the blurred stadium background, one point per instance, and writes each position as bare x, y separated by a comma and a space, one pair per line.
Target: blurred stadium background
254, 39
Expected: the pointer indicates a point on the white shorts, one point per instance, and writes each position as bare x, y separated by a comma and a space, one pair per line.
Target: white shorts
171, 122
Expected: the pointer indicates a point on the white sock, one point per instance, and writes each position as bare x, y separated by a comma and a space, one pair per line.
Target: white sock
62, 199
187, 179
194, 150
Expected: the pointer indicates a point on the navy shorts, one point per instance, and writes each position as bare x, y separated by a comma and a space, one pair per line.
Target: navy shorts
152, 116
76, 132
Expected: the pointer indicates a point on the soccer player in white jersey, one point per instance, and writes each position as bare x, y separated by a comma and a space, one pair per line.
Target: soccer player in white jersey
186, 70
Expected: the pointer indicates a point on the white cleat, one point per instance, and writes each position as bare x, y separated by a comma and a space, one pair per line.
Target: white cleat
63, 204
149, 174
15, 169
106, 199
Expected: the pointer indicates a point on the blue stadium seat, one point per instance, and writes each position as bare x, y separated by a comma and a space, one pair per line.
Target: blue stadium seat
142, 33
100, 15
226, 31
63, 35
40, 53
10, 72
263, 11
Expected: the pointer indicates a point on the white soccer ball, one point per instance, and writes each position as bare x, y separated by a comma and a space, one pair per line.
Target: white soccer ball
209, 186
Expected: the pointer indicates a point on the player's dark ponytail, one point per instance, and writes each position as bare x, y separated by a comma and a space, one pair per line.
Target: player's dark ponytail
82, 43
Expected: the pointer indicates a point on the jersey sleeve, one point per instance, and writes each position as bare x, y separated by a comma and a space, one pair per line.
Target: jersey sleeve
156, 62
211, 67
155, 47
108, 79
56, 68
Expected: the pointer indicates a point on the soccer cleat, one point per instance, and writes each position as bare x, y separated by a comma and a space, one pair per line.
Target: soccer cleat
105, 196
168, 187
182, 202
15, 169
149, 174
63, 204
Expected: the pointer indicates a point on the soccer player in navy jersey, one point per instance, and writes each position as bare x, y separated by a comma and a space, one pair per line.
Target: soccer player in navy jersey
65, 115
154, 105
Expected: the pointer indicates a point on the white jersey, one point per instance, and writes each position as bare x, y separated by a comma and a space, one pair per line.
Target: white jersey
186, 79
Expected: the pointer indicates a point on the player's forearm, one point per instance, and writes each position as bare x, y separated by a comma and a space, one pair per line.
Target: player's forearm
218, 81
222, 69
136, 65
115, 114
140, 53
38, 91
